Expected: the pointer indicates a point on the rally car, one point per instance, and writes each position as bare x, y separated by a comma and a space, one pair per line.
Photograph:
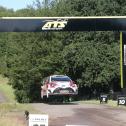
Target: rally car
58, 85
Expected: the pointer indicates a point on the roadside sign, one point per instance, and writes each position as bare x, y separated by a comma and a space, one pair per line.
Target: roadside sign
38, 120
103, 98
121, 100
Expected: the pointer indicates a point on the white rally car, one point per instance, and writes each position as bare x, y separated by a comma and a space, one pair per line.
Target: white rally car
58, 85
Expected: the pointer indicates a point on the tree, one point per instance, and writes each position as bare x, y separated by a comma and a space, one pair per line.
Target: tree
89, 58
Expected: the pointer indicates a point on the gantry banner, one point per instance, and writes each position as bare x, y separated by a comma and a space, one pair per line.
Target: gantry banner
43, 24
39, 24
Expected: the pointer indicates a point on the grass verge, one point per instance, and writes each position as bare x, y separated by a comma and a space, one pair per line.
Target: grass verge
11, 112
7, 89
110, 103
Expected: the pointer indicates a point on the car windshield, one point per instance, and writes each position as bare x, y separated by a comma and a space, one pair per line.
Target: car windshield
60, 79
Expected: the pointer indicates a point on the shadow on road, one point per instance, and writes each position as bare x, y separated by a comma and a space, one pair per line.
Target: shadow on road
67, 103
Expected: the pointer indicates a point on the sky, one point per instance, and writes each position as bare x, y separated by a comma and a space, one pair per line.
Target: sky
15, 4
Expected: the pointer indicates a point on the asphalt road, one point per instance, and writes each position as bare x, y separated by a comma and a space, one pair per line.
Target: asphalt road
82, 114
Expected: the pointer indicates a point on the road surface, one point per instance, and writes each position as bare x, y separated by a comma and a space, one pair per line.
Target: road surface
82, 114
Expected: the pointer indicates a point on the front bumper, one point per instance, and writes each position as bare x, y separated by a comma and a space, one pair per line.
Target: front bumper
63, 91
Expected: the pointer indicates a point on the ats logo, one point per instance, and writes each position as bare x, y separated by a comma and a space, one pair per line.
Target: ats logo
55, 25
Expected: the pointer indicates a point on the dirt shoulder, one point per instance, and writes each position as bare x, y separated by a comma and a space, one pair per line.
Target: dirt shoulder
2, 98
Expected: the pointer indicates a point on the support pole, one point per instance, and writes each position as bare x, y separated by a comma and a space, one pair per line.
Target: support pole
121, 59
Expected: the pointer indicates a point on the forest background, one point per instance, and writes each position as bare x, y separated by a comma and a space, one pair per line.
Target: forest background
91, 59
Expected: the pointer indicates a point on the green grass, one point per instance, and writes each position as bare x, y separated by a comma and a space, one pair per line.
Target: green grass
110, 103
89, 102
11, 112
6, 89
8, 92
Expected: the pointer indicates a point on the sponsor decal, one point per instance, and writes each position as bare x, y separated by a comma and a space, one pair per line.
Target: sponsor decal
55, 24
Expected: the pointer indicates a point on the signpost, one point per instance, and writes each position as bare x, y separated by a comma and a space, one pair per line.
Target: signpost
38, 120
121, 100
103, 98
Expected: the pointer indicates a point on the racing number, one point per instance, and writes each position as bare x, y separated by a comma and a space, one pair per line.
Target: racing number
122, 102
